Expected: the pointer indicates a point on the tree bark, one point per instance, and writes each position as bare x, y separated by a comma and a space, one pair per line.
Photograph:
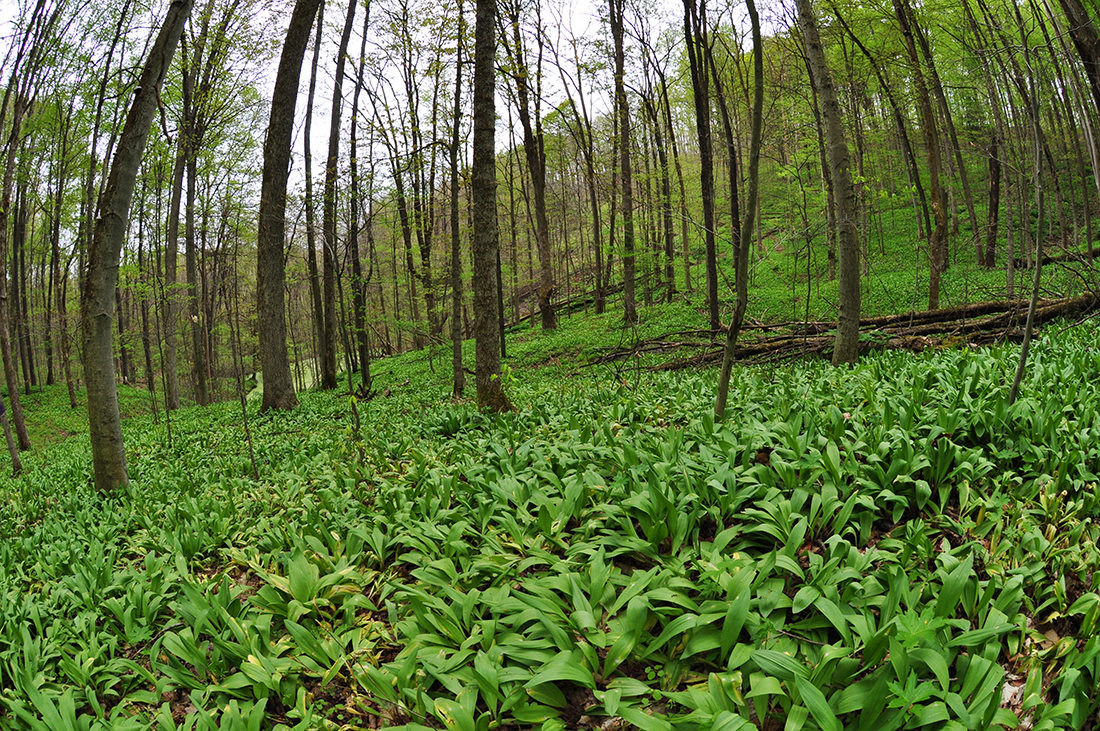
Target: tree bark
630, 313
490, 386
744, 241
97, 301
695, 36
535, 153
846, 347
278, 388
458, 372
328, 258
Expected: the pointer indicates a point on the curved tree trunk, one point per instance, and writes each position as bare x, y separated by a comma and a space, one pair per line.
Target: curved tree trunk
278, 390
98, 299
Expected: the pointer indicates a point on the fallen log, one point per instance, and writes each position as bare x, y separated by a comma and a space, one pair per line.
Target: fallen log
979, 324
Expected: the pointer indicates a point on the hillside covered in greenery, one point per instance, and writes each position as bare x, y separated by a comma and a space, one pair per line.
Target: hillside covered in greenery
889, 546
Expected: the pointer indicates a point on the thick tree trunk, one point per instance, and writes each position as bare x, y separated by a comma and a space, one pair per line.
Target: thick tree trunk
11, 378
490, 386
97, 302
278, 390
846, 348
1087, 42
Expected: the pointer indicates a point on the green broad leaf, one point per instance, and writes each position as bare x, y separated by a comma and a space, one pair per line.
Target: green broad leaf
629, 687
307, 641
564, 666
644, 721
735, 620
706, 639
611, 698
796, 718
819, 707
804, 598
974, 637
1006, 718
620, 651
835, 616
673, 629
832, 460
730, 721
780, 665
784, 561
638, 583
934, 661
953, 586
454, 715
548, 694
533, 713
935, 712
303, 578
760, 684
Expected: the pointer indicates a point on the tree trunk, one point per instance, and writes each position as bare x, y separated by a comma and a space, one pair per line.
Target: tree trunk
319, 352
19, 108
278, 390
97, 302
695, 36
630, 314
490, 386
535, 154
328, 259
458, 372
846, 349
744, 241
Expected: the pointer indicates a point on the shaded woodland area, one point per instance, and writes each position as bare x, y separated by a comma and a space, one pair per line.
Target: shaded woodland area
641, 154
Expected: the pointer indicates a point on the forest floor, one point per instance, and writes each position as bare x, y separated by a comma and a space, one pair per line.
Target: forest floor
891, 545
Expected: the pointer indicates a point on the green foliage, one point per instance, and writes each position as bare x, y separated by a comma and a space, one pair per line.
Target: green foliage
891, 546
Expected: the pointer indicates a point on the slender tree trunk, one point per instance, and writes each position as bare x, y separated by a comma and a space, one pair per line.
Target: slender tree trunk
97, 302
359, 283
320, 353
278, 390
630, 313
459, 373
744, 241
328, 342
536, 163
695, 35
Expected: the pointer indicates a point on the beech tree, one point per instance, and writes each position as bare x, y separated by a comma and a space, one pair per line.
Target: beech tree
98, 300
278, 387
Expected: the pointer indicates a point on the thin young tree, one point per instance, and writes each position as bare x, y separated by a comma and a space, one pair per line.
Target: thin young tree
622, 112
328, 258
744, 242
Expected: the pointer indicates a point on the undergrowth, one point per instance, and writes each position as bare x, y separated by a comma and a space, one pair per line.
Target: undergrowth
891, 546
